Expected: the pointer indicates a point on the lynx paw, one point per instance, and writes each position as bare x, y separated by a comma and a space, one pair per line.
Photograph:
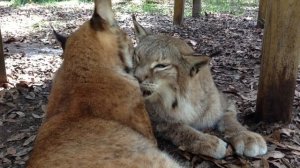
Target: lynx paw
249, 144
212, 146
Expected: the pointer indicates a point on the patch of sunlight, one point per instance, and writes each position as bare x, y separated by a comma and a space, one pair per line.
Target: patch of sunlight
5, 3
71, 4
24, 25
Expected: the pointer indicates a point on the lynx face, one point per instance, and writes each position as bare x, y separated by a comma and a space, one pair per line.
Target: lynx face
155, 70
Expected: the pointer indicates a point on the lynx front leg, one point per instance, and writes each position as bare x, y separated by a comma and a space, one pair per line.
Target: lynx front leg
192, 140
244, 142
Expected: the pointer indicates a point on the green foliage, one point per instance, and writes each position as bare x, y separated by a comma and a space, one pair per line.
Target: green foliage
85, 0
145, 6
23, 2
227, 6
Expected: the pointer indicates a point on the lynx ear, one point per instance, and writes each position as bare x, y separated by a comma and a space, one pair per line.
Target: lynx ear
60, 38
103, 15
183, 48
196, 63
138, 29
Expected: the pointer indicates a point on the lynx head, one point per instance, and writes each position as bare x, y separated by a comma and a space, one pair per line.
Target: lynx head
97, 59
164, 65
99, 39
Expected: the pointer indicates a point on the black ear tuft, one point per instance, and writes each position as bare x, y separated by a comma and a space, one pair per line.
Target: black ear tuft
60, 38
97, 23
139, 30
196, 63
103, 16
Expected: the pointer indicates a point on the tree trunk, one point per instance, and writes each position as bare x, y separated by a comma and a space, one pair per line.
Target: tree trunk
262, 11
280, 59
178, 12
3, 78
196, 8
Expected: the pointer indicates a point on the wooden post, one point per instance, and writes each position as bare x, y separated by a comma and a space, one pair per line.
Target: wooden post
262, 11
178, 12
3, 78
280, 59
196, 8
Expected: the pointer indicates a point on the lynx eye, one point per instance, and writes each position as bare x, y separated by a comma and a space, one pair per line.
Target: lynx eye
160, 66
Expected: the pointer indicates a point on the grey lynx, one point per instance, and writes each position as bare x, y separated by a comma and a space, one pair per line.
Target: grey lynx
182, 99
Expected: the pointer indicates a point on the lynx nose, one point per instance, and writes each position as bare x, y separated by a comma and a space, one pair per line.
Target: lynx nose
140, 74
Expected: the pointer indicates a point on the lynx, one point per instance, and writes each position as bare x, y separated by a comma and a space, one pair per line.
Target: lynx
96, 115
182, 99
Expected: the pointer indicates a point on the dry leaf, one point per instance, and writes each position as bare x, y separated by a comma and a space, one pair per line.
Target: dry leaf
12, 116
247, 98
10, 104
203, 164
296, 153
218, 163
278, 164
275, 142
264, 163
297, 148
21, 114
10, 120
44, 108
30, 96
20, 162
286, 162
286, 131
16, 137
193, 42
297, 94
274, 155
5, 160
29, 140
37, 116
276, 135
11, 151
14, 93
2, 94
233, 166
10, 40
24, 151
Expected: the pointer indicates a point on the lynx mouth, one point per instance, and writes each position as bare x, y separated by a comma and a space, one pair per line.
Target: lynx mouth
146, 93
147, 89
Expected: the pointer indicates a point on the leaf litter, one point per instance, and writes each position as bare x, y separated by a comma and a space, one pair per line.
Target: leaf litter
32, 55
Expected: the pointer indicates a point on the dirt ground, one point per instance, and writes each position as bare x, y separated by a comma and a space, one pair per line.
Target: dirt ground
32, 55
